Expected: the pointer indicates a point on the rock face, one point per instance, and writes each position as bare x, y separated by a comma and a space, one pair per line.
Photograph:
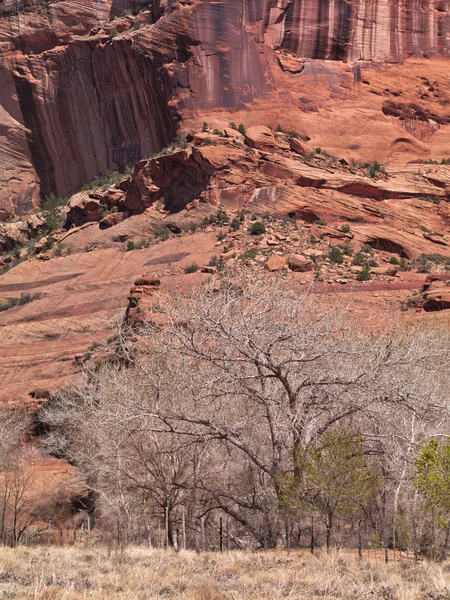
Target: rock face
81, 95
382, 30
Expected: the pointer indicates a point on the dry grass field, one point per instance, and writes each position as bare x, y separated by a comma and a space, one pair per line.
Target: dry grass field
75, 573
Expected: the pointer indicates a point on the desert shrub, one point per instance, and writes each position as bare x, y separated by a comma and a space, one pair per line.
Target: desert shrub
161, 234
131, 245
394, 260
242, 129
364, 275
335, 255
345, 228
257, 228
235, 224
192, 268
404, 265
359, 260
346, 249
51, 206
249, 254
372, 263
437, 259
367, 249
373, 169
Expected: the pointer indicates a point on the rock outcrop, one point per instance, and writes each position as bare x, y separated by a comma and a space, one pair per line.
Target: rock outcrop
81, 95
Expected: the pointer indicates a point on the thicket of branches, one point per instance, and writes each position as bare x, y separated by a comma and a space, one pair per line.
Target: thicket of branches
256, 403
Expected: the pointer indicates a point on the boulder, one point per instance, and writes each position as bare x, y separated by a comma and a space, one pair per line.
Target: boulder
260, 137
113, 219
300, 264
84, 208
275, 263
388, 271
299, 147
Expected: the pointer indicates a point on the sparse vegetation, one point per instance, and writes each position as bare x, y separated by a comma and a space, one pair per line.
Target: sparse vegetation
24, 298
373, 169
192, 268
87, 570
364, 274
257, 228
335, 255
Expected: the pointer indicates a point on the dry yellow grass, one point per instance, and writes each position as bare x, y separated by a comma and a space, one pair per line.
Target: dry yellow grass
75, 573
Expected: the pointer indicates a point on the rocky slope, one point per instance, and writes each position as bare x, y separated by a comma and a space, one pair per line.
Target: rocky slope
82, 93
219, 202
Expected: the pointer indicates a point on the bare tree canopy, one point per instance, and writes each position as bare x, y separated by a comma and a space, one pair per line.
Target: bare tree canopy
226, 384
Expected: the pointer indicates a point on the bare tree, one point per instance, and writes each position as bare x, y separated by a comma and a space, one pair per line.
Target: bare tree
226, 384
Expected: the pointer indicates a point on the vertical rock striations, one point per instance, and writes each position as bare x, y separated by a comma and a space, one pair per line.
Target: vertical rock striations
80, 95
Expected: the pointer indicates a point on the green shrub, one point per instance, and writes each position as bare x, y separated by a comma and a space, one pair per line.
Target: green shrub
359, 260
205, 127
113, 32
335, 255
364, 275
367, 249
131, 245
257, 228
162, 234
235, 224
249, 254
437, 259
346, 249
393, 260
345, 228
192, 268
373, 169
242, 129
404, 265
372, 263
51, 206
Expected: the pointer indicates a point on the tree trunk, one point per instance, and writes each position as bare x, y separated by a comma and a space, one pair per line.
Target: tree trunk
360, 553
447, 537
329, 527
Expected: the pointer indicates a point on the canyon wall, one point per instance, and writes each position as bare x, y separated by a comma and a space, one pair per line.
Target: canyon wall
372, 30
80, 95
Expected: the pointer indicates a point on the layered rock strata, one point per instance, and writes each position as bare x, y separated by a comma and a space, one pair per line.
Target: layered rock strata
81, 95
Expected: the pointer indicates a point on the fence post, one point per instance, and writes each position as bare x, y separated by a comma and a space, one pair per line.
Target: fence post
149, 531
49, 533
312, 535
221, 534
228, 533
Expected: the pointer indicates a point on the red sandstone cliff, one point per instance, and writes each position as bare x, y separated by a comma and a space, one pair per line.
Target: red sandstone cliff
81, 95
